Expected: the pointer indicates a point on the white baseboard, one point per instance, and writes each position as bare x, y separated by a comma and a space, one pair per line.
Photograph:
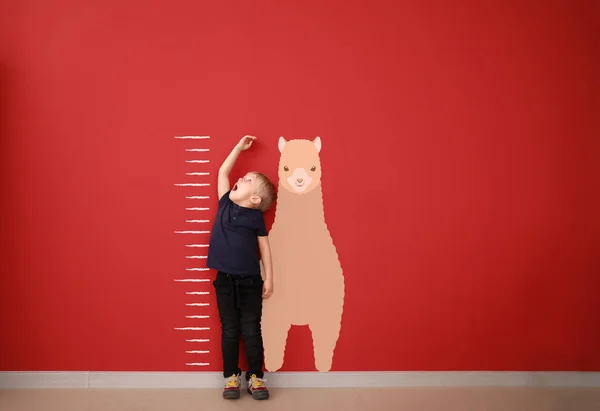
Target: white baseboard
369, 379
52, 379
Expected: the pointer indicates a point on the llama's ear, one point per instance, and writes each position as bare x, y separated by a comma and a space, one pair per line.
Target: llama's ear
281, 144
317, 143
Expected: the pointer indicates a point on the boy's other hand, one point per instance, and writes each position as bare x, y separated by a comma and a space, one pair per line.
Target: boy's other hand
245, 143
268, 289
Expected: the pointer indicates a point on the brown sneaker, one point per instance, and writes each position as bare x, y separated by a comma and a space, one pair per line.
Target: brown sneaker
232, 387
257, 388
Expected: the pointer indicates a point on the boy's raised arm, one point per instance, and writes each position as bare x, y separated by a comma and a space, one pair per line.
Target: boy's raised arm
223, 184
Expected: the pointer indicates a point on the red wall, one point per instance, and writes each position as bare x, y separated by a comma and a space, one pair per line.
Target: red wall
460, 159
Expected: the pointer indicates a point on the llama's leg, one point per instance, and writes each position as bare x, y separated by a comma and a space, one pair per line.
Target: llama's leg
325, 332
275, 331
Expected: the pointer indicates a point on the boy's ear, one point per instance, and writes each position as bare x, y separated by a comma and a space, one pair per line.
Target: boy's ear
255, 200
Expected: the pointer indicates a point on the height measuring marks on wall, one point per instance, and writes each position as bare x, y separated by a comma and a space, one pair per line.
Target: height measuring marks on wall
195, 327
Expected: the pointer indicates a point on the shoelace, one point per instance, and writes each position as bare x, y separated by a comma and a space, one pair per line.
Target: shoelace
232, 381
257, 382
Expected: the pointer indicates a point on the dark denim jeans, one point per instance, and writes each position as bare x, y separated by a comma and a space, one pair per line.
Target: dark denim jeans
239, 299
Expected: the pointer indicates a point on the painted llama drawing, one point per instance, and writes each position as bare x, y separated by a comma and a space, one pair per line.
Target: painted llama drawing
308, 277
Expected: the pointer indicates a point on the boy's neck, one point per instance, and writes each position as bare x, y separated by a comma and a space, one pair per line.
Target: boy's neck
244, 203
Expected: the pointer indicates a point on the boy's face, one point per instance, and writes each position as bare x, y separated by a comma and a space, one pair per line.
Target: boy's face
244, 191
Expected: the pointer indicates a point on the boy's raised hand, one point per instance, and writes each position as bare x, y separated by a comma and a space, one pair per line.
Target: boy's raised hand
245, 143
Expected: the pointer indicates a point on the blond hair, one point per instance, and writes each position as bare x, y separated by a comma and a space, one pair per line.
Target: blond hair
266, 191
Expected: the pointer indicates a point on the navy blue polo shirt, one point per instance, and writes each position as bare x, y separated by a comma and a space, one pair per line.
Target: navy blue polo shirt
233, 247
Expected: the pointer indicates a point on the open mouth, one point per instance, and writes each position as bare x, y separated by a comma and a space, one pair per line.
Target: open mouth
234, 187
299, 184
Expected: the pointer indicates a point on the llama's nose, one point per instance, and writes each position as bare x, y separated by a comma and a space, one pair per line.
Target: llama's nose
299, 180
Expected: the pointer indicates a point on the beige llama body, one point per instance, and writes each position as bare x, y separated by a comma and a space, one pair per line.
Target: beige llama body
308, 277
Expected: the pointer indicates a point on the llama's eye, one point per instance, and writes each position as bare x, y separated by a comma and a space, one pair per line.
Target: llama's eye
313, 168
285, 168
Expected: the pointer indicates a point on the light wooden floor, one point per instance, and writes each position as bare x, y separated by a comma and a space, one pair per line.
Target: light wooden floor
347, 399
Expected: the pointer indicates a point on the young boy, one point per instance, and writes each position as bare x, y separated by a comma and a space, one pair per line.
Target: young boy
238, 234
